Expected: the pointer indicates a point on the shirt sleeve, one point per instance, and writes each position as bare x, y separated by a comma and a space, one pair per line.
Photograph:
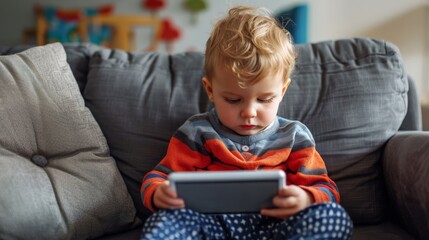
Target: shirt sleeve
306, 168
183, 154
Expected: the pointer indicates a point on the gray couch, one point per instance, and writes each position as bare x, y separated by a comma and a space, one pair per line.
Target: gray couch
77, 138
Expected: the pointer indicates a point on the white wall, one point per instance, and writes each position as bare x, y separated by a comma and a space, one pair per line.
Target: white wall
405, 23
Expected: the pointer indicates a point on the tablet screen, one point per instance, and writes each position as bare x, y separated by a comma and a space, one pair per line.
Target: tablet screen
228, 191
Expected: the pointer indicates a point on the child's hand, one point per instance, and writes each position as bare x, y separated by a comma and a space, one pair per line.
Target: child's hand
289, 201
165, 197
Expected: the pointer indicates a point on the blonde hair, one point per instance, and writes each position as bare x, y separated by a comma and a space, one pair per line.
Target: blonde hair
251, 44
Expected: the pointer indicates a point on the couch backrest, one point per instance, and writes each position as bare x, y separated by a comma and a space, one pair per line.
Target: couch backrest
352, 94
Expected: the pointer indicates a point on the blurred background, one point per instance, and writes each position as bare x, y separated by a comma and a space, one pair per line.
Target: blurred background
175, 26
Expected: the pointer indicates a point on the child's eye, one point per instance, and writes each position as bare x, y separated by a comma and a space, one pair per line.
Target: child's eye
266, 100
232, 100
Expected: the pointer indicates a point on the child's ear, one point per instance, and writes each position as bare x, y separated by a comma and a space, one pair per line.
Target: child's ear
285, 86
208, 87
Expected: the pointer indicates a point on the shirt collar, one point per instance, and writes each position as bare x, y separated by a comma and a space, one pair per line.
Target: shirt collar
244, 140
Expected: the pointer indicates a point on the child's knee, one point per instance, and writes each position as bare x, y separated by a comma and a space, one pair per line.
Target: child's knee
325, 220
333, 220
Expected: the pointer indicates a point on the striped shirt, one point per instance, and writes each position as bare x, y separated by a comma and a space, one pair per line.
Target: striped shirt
202, 143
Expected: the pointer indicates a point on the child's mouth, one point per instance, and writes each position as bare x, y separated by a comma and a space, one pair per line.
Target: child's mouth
247, 127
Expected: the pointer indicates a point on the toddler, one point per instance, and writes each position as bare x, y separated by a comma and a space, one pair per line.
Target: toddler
248, 62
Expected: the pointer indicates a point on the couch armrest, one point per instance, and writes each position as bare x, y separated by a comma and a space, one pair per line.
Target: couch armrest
406, 171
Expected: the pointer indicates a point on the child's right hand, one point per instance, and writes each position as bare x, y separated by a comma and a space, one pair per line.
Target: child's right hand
165, 197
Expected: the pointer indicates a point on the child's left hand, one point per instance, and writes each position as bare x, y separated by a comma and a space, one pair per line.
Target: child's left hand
289, 201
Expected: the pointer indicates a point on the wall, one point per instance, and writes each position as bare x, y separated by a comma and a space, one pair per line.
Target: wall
405, 23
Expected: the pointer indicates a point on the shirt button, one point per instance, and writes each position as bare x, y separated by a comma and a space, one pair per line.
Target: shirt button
245, 148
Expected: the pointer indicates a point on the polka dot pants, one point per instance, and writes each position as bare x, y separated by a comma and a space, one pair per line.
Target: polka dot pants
319, 221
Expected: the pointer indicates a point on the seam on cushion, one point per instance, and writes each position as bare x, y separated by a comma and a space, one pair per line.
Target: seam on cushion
345, 62
303, 71
388, 51
57, 201
27, 61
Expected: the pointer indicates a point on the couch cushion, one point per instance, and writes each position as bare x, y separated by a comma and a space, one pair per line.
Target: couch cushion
406, 169
352, 94
78, 55
57, 178
139, 101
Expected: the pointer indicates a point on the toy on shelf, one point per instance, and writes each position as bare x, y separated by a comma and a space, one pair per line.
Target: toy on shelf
153, 5
194, 7
169, 34
97, 25
55, 24
123, 29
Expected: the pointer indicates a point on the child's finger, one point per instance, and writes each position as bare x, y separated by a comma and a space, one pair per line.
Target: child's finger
285, 202
288, 191
167, 190
167, 202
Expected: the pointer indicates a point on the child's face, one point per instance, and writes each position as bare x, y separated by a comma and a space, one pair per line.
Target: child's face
249, 110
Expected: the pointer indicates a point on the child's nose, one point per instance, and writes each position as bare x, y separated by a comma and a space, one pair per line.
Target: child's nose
248, 111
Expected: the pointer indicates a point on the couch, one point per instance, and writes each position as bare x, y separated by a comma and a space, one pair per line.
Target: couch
81, 125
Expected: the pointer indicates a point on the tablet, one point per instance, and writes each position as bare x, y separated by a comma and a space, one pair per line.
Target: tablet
216, 192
